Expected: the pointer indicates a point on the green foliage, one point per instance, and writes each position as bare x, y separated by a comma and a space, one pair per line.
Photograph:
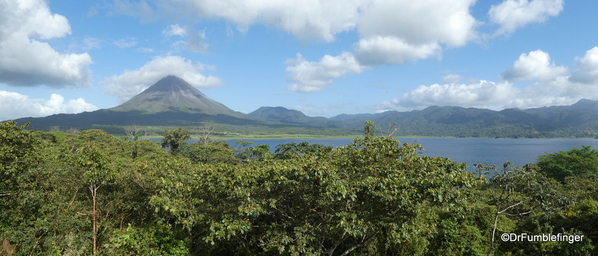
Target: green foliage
17, 148
368, 197
67, 194
155, 240
175, 139
519, 193
214, 152
575, 162
257, 152
291, 149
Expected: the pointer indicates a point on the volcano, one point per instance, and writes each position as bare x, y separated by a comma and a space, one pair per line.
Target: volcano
169, 102
172, 93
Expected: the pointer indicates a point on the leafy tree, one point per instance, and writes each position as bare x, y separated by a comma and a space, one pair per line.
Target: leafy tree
257, 152
17, 154
214, 152
575, 162
84, 196
370, 197
521, 192
292, 149
175, 139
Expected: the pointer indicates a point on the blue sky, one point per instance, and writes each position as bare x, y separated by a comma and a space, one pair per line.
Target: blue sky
321, 57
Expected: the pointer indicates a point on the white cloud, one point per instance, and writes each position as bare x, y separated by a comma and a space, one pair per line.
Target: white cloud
403, 31
125, 42
587, 70
552, 86
131, 83
490, 95
541, 101
421, 22
391, 31
174, 30
481, 94
416, 22
535, 65
392, 50
27, 61
310, 76
312, 19
14, 105
513, 14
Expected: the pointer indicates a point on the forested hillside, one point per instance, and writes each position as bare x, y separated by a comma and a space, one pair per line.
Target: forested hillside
578, 120
172, 102
90, 193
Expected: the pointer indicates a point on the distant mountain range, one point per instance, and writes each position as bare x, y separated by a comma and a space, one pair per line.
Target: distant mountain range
174, 102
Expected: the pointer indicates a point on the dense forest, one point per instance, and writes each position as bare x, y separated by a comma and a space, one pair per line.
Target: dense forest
90, 193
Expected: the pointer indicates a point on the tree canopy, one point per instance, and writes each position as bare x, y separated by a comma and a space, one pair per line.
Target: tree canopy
93, 194
575, 162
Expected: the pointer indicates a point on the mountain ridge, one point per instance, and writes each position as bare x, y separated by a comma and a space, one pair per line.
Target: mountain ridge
171, 101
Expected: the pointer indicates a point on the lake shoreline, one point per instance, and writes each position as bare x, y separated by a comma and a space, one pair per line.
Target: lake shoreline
310, 137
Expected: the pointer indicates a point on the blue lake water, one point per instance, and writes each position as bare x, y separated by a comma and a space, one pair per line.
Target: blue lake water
470, 151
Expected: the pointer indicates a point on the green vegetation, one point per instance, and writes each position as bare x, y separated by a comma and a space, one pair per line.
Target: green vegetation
576, 162
89, 193
576, 121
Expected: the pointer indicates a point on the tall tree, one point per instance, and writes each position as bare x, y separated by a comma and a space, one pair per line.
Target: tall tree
174, 139
575, 162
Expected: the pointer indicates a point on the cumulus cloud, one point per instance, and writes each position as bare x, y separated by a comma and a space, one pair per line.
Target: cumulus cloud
308, 76
535, 65
308, 20
586, 71
513, 14
390, 31
420, 22
133, 82
392, 50
399, 32
552, 85
25, 60
481, 94
14, 105
490, 95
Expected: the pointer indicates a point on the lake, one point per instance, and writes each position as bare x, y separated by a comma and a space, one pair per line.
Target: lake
470, 151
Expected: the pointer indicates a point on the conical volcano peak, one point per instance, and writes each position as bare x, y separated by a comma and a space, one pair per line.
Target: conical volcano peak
170, 83
172, 93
